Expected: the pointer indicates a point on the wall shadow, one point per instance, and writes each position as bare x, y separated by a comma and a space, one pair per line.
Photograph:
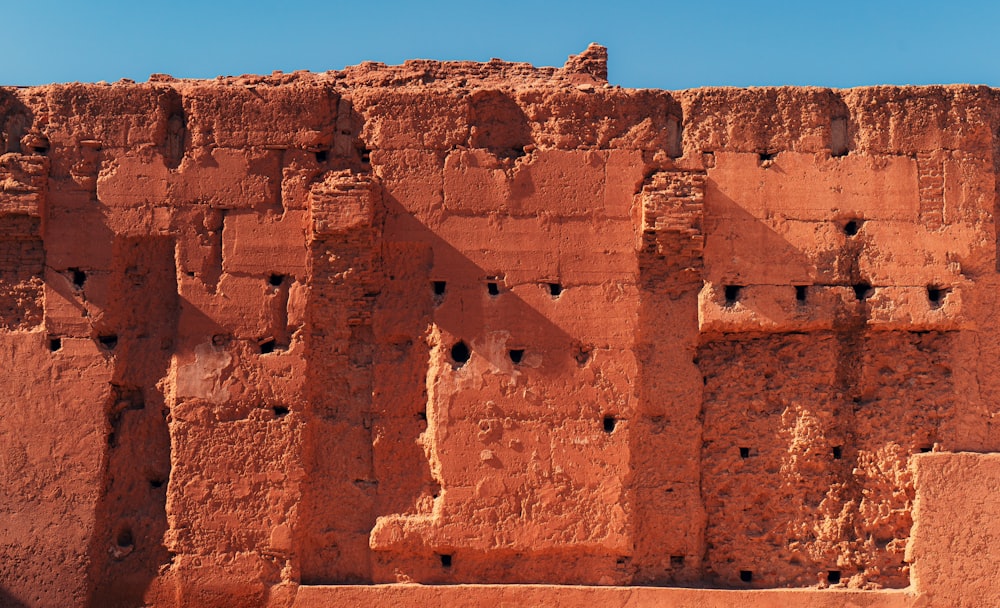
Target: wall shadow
138, 329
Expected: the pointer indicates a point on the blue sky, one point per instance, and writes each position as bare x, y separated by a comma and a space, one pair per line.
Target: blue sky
666, 44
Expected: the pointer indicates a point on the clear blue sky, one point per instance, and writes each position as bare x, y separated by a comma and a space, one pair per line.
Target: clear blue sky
663, 44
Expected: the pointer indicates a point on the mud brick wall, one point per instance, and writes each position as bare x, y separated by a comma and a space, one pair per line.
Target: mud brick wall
484, 323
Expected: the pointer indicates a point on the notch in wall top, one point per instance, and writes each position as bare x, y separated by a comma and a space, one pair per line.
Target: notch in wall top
173, 128
839, 141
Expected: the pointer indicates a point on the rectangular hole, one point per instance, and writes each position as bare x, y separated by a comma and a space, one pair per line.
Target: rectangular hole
732, 294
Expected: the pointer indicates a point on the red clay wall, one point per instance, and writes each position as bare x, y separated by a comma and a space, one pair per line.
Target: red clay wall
486, 323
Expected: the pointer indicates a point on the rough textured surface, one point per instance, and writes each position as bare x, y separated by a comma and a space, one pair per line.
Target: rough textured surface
955, 547
489, 323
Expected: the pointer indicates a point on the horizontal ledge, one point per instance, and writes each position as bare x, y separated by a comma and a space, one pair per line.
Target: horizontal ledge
582, 596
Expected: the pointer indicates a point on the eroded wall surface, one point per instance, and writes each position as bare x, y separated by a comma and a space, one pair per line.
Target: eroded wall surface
486, 323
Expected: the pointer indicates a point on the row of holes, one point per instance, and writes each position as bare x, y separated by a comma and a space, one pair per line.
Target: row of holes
460, 354
79, 278
364, 153
836, 451
108, 342
493, 288
862, 291
676, 561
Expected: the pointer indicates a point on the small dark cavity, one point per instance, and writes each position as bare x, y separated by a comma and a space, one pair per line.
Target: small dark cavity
516, 354
124, 538
275, 280
935, 295
555, 290
460, 353
280, 410
838, 452
767, 156
366, 155
268, 346
851, 227
800, 293
445, 561
493, 289
156, 483
863, 291
925, 449
732, 293
322, 156
108, 341
79, 277
55, 344
609, 424
746, 576
676, 561
744, 453
833, 577
439, 287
